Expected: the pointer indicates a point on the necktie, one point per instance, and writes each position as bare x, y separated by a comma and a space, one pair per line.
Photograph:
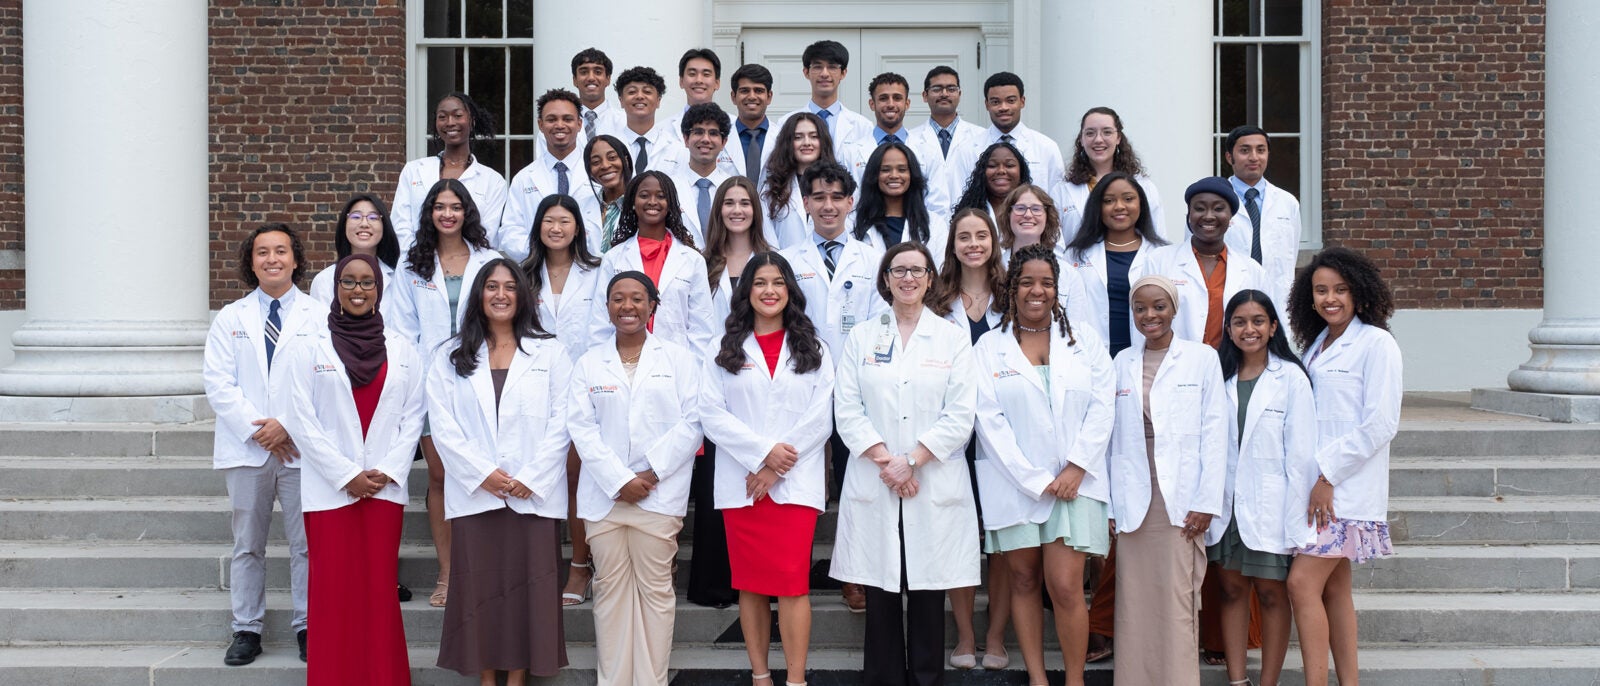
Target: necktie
827, 118
830, 255
588, 124
562, 185
703, 203
641, 161
1254, 208
274, 325
752, 151
944, 142
891, 138
1006, 137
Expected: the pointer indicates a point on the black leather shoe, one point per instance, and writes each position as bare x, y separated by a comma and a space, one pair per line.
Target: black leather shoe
244, 649
301, 639
403, 592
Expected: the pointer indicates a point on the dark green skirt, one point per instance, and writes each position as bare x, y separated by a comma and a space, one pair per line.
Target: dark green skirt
1232, 554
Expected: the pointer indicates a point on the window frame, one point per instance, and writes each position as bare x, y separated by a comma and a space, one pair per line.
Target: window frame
419, 112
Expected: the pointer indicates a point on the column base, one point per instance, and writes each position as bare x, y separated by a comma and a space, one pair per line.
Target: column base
110, 359
157, 409
1567, 409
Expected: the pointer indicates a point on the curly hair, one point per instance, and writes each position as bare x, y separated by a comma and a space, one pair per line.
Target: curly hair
976, 192
782, 167
1373, 300
1123, 159
628, 222
420, 257
718, 236
1041, 253
870, 212
1052, 217
247, 272
949, 281
805, 348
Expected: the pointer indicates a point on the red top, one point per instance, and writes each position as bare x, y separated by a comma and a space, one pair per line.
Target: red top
367, 398
654, 255
771, 344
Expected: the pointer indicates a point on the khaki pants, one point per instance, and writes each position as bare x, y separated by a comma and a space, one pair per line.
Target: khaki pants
633, 596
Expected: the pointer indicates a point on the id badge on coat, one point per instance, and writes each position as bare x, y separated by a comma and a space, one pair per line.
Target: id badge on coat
847, 319
883, 350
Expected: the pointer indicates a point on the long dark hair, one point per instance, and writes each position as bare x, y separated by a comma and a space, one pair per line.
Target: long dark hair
1231, 356
870, 211
538, 253
976, 193
717, 234
420, 257
1093, 228
949, 281
628, 222
475, 325
388, 249
1123, 159
805, 349
622, 154
1042, 253
1373, 300
783, 168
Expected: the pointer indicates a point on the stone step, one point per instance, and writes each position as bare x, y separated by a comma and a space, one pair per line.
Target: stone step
128, 477
117, 616
1510, 476
1484, 568
1493, 438
201, 665
106, 440
1511, 519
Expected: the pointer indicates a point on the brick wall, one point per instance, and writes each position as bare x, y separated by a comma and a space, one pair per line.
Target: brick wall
307, 107
11, 208
1433, 146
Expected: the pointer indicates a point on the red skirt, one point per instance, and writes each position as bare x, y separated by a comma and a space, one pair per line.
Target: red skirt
359, 638
769, 547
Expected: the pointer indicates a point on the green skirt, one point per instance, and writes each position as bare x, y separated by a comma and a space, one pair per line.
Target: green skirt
1080, 524
1232, 554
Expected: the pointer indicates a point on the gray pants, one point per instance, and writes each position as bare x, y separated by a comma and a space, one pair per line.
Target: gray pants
251, 491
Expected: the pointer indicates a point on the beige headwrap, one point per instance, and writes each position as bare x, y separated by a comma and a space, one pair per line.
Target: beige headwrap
1159, 281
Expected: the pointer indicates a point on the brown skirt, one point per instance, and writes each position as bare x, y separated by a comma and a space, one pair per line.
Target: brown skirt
504, 611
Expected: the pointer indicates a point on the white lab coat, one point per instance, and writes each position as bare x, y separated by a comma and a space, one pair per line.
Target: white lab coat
1178, 263
581, 298
1189, 410
1027, 434
684, 316
922, 392
836, 305
1280, 238
1272, 467
327, 426
1072, 197
938, 236
1041, 153
721, 304
848, 129
1358, 389
965, 135
732, 158
1091, 267
790, 225
323, 288
239, 386
1074, 295
486, 186
667, 151
748, 413
689, 198
529, 187
621, 428
525, 435
422, 306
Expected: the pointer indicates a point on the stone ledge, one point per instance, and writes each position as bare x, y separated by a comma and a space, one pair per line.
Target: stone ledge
160, 409
1567, 409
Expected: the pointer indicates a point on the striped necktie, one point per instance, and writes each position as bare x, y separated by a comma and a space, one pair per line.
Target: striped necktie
274, 327
1254, 208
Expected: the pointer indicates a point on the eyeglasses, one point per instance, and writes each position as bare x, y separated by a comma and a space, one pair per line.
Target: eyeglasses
903, 272
352, 284
941, 90
1027, 209
374, 217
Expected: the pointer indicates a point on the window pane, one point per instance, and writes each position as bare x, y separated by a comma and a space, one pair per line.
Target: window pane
1280, 88
1284, 17
486, 82
492, 153
1233, 81
521, 155
519, 18
444, 77
1239, 17
1283, 164
441, 19
483, 19
522, 95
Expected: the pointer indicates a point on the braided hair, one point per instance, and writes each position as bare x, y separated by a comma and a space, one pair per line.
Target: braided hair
1047, 255
628, 222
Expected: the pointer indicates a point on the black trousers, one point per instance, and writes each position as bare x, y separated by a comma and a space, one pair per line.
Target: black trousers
710, 578
904, 646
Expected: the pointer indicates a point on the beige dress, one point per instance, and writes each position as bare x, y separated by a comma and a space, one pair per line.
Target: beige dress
1158, 585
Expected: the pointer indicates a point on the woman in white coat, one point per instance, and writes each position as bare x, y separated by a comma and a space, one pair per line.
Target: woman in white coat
896, 203
734, 234
1100, 149
564, 277
1207, 274
451, 247
610, 167
769, 429
633, 419
904, 404
497, 397
458, 122
1111, 250
652, 239
1339, 309
355, 411
802, 141
1028, 216
1168, 465
361, 228
1044, 421
1276, 446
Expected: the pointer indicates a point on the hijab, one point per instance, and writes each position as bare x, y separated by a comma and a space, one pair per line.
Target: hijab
359, 339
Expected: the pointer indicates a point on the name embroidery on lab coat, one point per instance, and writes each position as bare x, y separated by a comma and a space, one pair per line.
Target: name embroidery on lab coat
415, 282
239, 334
935, 364
324, 369
1124, 392
1006, 374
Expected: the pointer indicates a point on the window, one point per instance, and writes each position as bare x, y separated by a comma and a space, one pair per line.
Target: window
483, 48
1267, 73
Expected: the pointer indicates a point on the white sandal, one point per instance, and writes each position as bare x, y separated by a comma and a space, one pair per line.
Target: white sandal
571, 599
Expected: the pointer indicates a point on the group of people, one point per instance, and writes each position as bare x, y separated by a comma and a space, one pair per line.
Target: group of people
976, 346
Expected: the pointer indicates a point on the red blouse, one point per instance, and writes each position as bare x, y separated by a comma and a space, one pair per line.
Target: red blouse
771, 344
366, 398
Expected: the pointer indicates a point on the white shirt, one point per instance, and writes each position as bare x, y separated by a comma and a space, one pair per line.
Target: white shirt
1272, 464
689, 197
528, 188
486, 186
838, 303
665, 143
1072, 197
240, 386
1280, 235
1358, 390
326, 424
900, 395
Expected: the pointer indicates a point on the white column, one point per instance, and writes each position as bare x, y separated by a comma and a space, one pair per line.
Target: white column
1566, 345
1149, 61
633, 33
115, 115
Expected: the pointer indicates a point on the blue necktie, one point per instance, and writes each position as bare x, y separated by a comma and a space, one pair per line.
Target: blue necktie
944, 142
891, 138
274, 326
751, 138
830, 255
703, 203
641, 161
562, 184
827, 118
1254, 208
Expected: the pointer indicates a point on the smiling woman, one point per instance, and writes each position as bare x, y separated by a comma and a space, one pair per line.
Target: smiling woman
457, 123
1205, 272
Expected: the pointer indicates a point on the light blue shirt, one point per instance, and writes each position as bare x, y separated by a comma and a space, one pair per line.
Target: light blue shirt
878, 134
1239, 187
285, 301
833, 113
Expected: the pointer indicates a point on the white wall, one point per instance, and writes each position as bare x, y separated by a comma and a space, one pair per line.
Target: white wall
1458, 350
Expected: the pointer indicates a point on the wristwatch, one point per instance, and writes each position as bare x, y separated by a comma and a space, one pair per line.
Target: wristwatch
911, 460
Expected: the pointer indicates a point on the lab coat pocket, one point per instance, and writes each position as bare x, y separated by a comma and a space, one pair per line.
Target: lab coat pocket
1338, 397
1184, 413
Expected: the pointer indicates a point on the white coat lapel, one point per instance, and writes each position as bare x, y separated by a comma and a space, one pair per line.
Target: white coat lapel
1268, 386
255, 326
1014, 358
754, 356
520, 364
300, 314
650, 356
675, 261
483, 385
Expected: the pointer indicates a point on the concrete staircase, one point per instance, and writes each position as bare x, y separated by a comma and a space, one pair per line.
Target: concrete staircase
114, 543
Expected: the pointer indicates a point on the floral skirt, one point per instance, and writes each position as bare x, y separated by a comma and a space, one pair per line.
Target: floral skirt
1355, 540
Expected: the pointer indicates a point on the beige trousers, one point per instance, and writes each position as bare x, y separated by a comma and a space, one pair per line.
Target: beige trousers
634, 599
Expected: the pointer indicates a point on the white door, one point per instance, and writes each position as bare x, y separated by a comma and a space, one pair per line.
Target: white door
779, 50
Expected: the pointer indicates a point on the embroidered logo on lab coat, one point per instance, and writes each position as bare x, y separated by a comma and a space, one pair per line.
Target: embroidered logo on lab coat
602, 390
1006, 374
1124, 392
323, 369
239, 334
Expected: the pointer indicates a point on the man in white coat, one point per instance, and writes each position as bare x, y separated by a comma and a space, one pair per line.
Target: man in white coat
705, 130
751, 94
1005, 99
1268, 226
254, 452
591, 77
825, 64
945, 129
559, 169
652, 143
890, 97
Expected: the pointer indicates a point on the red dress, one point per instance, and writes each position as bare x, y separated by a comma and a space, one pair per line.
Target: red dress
769, 543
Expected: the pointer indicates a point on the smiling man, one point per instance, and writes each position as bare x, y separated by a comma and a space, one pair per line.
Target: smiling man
705, 131
1267, 227
825, 64
751, 95
591, 77
699, 77
889, 97
653, 144
558, 168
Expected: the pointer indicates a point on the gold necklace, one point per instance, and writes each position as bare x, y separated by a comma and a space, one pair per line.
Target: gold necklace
1135, 241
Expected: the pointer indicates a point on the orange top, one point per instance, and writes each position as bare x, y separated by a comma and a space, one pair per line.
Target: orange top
654, 255
1215, 281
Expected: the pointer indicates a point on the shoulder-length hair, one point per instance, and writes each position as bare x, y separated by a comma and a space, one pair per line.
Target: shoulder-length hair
475, 324
1052, 218
628, 221
805, 348
934, 294
247, 249
1081, 171
1231, 356
388, 249
538, 253
1093, 228
717, 234
949, 280
870, 212
1373, 300
782, 166
420, 257
976, 192
1038, 252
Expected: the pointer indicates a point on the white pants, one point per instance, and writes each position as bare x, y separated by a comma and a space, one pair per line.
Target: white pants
634, 600
251, 491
